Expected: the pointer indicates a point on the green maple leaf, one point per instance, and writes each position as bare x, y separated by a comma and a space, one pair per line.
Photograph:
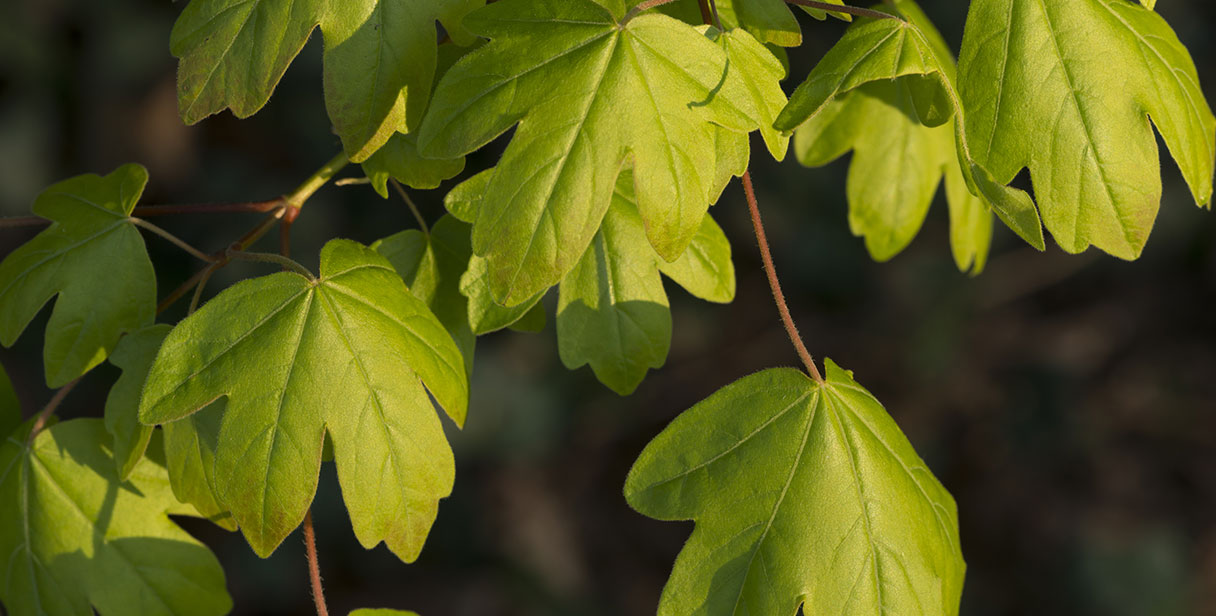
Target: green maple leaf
75, 538
1067, 89
94, 259
612, 311
134, 355
589, 94
10, 406
380, 59
346, 354
431, 265
803, 494
897, 164
399, 159
883, 49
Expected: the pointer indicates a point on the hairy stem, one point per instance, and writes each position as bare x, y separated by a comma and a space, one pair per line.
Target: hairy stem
643, 6
843, 8
270, 257
413, 208
45, 413
176, 241
778, 297
314, 568
203, 277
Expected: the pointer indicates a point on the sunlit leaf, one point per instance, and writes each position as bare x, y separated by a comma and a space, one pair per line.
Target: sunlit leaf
804, 494
346, 354
74, 538
94, 259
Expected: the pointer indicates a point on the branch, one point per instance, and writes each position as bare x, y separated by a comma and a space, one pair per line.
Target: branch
774, 284
13, 222
843, 8
208, 208
314, 567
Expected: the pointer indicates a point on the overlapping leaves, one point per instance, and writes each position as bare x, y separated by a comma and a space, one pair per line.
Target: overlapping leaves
346, 354
94, 259
804, 494
589, 93
74, 537
898, 160
380, 59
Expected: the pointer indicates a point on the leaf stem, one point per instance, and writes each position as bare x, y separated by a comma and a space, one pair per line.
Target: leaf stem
642, 6
709, 13
176, 241
844, 8
778, 297
270, 257
45, 413
200, 283
413, 208
314, 567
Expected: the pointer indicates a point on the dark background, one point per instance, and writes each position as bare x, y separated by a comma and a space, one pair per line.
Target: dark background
1066, 401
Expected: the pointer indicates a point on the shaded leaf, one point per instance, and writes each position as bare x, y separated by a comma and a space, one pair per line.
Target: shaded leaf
134, 355
399, 159
10, 406
346, 354
94, 259
804, 494
74, 538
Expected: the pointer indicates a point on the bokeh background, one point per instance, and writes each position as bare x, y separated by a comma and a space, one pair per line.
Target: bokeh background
1068, 402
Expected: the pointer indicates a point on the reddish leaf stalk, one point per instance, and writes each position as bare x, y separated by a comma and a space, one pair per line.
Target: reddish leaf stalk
50, 407
314, 568
778, 297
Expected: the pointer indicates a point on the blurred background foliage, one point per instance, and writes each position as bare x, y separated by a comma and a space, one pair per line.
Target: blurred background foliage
1068, 402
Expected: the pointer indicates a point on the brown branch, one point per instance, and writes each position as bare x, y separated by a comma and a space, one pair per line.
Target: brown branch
767, 257
208, 208
314, 568
843, 8
13, 222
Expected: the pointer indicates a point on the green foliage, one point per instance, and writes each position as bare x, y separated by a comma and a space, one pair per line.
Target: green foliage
72, 534
1059, 109
94, 259
345, 354
627, 125
590, 94
804, 494
380, 59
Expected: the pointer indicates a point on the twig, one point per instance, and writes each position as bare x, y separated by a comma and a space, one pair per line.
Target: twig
844, 8
410, 202
773, 283
199, 285
176, 241
13, 222
50, 407
314, 567
709, 13
207, 208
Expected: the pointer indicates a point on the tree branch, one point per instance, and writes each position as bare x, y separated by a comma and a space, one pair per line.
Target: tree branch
50, 407
767, 257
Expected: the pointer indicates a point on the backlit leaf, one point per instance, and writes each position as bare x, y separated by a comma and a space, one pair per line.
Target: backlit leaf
346, 354
94, 259
74, 538
588, 94
804, 494
1067, 90
134, 355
